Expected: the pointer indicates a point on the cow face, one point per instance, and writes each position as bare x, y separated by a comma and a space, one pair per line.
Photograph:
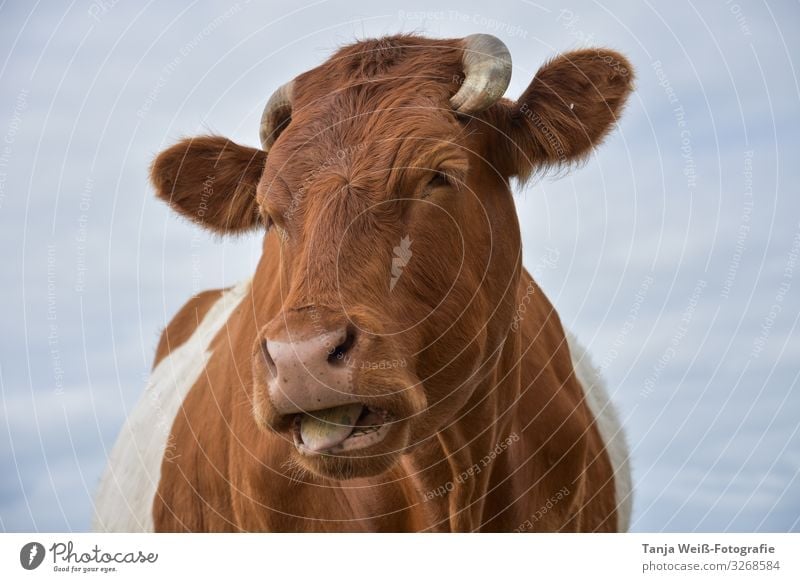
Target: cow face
392, 246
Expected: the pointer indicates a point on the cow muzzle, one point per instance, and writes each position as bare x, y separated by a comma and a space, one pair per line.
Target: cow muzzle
333, 388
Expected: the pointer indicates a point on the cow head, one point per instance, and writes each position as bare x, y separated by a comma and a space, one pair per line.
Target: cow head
392, 243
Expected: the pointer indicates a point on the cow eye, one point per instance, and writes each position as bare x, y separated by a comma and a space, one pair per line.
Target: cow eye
437, 181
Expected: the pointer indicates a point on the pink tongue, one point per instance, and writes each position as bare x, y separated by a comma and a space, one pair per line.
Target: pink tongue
324, 429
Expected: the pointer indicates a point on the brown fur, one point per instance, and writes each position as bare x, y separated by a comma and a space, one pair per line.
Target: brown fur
359, 167
184, 323
568, 109
211, 181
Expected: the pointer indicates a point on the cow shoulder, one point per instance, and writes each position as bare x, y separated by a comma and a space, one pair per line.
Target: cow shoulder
573, 424
609, 427
124, 499
185, 322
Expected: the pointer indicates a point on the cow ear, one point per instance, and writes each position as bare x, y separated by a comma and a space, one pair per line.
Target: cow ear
212, 181
569, 107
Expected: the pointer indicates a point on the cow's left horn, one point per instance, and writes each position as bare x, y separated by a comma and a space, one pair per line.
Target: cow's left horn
277, 114
486, 63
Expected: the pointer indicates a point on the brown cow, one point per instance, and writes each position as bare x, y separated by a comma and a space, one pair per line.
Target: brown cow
390, 366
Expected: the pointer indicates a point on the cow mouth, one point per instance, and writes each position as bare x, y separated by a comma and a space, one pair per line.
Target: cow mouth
340, 429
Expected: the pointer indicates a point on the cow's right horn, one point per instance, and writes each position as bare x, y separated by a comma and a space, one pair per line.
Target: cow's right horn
486, 63
277, 115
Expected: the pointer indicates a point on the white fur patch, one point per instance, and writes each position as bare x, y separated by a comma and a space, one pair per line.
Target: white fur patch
609, 427
124, 499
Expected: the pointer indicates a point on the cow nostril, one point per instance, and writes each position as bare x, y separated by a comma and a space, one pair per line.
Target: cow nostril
337, 354
273, 369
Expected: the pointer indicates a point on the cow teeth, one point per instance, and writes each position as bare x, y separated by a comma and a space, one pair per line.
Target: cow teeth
323, 429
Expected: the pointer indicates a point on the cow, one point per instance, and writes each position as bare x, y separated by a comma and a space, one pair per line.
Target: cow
390, 365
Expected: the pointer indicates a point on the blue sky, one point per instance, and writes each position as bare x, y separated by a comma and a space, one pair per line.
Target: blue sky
677, 245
